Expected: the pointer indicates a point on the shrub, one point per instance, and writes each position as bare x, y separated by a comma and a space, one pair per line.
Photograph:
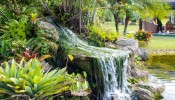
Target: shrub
98, 35
17, 29
28, 80
143, 36
103, 35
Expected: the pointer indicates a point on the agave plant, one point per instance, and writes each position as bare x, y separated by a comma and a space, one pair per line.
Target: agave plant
28, 80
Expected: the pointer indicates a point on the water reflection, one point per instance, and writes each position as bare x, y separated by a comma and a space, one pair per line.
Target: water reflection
167, 78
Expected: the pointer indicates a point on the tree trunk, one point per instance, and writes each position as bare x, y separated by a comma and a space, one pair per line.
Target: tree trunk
123, 21
116, 21
126, 24
140, 24
94, 12
80, 16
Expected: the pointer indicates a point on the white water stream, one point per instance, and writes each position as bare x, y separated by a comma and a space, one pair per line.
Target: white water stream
114, 64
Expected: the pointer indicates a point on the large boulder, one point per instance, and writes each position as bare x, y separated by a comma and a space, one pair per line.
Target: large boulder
48, 28
147, 91
141, 94
127, 44
143, 54
153, 87
49, 31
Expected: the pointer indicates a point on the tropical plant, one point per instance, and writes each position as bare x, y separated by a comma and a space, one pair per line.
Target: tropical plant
17, 29
10, 47
143, 36
28, 55
28, 80
5, 50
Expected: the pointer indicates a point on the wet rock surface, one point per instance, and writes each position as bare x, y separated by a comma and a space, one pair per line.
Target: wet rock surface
143, 54
141, 94
147, 91
139, 73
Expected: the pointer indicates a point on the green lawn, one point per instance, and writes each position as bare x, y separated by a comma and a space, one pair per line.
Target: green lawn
162, 43
111, 26
157, 42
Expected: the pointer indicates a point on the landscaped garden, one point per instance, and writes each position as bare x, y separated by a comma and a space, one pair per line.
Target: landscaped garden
85, 50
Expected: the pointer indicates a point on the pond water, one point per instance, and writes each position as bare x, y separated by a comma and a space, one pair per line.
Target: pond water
167, 78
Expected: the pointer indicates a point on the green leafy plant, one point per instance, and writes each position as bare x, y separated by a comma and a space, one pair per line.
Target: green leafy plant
10, 47
5, 48
143, 36
28, 80
28, 55
103, 35
17, 29
138, 63
45, 41
97, 36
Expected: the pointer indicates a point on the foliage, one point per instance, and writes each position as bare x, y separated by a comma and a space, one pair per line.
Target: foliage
130, 35
97, 36
103, 35
17, 29
45, 41
11, 47
143, 36
27, 55
134, 80
4, 48
108, 15
138, 63
28, 80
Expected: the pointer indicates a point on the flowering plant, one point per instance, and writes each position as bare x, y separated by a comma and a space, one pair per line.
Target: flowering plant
143, 35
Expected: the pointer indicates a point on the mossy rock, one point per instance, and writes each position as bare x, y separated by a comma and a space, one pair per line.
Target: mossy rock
141, 94
155, 89
93, 69
162, 61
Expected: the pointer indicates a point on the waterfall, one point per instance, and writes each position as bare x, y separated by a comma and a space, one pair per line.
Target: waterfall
113, 62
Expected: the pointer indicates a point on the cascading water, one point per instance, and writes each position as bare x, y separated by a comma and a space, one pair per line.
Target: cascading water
113, 63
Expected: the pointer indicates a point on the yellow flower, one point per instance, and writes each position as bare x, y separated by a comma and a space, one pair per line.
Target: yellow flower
33, 16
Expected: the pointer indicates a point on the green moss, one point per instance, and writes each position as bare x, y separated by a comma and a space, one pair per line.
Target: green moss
162, 61
133, 80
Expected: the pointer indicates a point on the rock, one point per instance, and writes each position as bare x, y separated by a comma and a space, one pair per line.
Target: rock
139, 73
143, 54
141, 94
93, 69
48, 28
153, 87
127, 44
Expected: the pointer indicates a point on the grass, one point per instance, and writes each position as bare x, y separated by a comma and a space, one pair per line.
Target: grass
111, 26
157, 42
162, 43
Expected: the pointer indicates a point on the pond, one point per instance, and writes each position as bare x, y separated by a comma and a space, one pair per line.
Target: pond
167, 78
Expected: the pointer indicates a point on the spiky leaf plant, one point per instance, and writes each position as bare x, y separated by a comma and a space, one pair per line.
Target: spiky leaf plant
28, 80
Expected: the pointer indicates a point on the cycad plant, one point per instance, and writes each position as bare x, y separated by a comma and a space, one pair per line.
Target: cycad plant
28, 80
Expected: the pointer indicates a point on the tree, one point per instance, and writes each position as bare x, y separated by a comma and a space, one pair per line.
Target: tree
142, 8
